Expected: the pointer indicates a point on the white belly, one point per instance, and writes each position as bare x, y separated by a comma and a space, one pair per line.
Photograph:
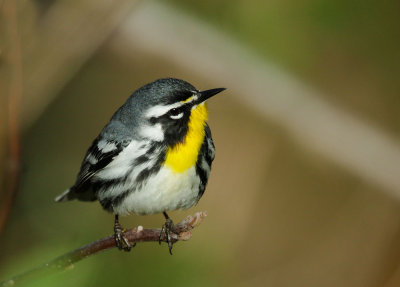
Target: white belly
167, 190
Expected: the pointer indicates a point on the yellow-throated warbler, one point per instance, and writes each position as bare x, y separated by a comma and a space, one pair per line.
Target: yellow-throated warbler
153, 156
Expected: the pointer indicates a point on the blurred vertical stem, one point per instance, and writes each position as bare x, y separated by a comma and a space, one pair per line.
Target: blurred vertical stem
14, 66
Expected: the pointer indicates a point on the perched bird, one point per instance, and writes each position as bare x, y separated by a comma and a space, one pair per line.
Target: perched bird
153, 156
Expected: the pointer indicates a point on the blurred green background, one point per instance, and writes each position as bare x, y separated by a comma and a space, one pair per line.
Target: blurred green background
280, 211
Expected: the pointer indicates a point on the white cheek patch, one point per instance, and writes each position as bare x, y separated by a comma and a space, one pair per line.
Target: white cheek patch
152, 132
177, 116
158, 111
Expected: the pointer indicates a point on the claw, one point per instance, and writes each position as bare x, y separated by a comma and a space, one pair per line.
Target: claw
165, 233
119, 236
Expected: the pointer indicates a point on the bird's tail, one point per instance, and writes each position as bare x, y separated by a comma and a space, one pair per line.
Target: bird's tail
65, 196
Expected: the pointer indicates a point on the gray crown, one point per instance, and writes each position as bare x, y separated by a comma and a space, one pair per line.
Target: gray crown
129, 116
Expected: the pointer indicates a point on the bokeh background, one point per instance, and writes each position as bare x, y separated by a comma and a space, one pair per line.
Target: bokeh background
305, 186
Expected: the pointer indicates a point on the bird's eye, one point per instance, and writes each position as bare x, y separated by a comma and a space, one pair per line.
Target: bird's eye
174, 112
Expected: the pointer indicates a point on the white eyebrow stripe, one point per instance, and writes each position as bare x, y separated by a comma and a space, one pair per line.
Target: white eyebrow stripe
160, 110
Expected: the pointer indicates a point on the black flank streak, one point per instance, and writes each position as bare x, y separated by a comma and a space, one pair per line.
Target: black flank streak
106, 203
100, 186
141, 159
208, 158
203, 180
142, 176
199, 170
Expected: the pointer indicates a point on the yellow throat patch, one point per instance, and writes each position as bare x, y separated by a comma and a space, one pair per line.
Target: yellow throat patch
184, 155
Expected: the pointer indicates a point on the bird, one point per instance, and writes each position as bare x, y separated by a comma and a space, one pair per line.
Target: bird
153, 156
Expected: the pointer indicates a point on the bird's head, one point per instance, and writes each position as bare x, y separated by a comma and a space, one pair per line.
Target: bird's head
171, 110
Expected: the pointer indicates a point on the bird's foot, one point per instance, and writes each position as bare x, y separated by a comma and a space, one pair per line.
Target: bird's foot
165, 233
120, 239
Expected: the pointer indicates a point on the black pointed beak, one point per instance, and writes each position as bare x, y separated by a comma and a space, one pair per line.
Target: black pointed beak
204, 95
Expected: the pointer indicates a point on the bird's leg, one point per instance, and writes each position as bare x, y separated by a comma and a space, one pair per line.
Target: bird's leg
119, 235
165, 231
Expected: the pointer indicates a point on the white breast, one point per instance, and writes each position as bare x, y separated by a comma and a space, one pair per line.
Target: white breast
166, 190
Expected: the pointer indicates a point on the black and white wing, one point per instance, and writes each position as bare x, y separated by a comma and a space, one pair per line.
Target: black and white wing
100, 154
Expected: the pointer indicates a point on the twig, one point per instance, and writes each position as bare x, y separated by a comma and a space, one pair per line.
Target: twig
134, 235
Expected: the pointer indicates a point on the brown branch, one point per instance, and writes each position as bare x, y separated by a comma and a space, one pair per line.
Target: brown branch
134, 235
